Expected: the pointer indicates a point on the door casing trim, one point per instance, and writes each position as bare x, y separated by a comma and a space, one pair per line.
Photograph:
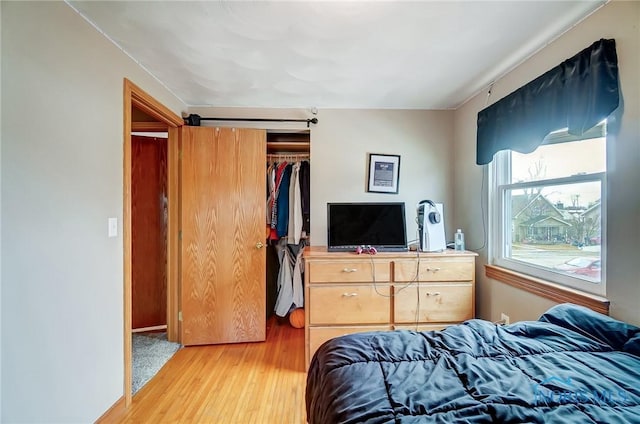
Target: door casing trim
135, 96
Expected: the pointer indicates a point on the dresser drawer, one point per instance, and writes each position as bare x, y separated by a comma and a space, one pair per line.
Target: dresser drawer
438, 303
319, 335
349, 304
359, 271
445, 269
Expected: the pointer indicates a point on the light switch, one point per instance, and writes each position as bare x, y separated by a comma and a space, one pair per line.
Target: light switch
113, 227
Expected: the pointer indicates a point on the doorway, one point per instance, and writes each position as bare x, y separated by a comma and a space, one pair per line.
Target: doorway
148, 230
162, 119
150, 347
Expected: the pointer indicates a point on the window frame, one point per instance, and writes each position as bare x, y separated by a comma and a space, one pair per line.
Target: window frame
499, 210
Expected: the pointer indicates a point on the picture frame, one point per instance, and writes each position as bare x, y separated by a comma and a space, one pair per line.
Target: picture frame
384, 173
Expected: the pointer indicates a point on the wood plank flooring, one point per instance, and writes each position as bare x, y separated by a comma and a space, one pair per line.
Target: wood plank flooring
232, 383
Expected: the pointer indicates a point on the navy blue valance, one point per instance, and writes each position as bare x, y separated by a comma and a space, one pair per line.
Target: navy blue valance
577, 94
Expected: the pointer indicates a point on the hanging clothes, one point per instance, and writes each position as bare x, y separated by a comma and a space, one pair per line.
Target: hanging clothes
288, 200
290, 287
271, 190
304, 177
283, 203
295, 207
285, 280
274, 206
286, 217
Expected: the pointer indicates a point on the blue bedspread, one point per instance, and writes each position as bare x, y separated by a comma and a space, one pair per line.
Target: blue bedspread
573, 365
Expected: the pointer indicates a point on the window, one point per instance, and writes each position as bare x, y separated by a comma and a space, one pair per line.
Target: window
548, 210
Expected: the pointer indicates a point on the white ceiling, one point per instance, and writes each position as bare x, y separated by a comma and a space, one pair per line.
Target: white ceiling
355, 54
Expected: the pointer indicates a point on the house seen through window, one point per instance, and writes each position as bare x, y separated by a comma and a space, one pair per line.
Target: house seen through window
550, 205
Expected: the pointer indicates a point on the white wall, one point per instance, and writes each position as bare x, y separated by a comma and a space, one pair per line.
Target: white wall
619, 20
340, 144
61, 170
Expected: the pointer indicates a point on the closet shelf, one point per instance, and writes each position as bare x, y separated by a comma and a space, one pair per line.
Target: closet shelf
287, 146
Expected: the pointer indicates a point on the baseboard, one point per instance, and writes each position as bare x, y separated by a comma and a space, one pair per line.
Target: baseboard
113, 414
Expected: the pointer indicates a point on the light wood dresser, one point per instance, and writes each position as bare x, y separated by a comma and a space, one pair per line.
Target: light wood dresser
349, 293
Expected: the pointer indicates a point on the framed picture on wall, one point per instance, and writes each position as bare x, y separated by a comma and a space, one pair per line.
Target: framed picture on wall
384, 171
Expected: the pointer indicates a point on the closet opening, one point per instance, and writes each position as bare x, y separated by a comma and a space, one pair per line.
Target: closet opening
151, 348
288, 174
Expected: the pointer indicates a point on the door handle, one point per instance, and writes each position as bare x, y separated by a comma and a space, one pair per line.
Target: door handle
259, 245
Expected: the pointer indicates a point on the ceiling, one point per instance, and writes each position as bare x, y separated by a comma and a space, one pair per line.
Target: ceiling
349, 54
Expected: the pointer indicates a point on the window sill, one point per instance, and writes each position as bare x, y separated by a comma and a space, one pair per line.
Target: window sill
546, 289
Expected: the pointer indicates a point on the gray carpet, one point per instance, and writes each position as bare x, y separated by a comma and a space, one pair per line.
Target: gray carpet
150, 353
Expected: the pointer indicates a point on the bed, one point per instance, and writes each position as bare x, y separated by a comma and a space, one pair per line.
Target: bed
572, 365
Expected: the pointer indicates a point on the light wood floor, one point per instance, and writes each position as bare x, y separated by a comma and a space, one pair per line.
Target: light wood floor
234, 383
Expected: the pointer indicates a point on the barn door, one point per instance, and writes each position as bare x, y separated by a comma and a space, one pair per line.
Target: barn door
223, 230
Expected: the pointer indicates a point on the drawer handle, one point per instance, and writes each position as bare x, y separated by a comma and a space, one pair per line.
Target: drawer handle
433, 269
349, 294
349, 270
433, 294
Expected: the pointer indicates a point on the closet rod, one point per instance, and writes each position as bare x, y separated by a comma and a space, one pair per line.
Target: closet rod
194, 120
293, 156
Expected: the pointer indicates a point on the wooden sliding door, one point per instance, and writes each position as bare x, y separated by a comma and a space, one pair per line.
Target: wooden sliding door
223, 230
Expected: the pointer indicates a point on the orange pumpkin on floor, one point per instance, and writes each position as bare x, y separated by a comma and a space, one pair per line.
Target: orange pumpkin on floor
296, 318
